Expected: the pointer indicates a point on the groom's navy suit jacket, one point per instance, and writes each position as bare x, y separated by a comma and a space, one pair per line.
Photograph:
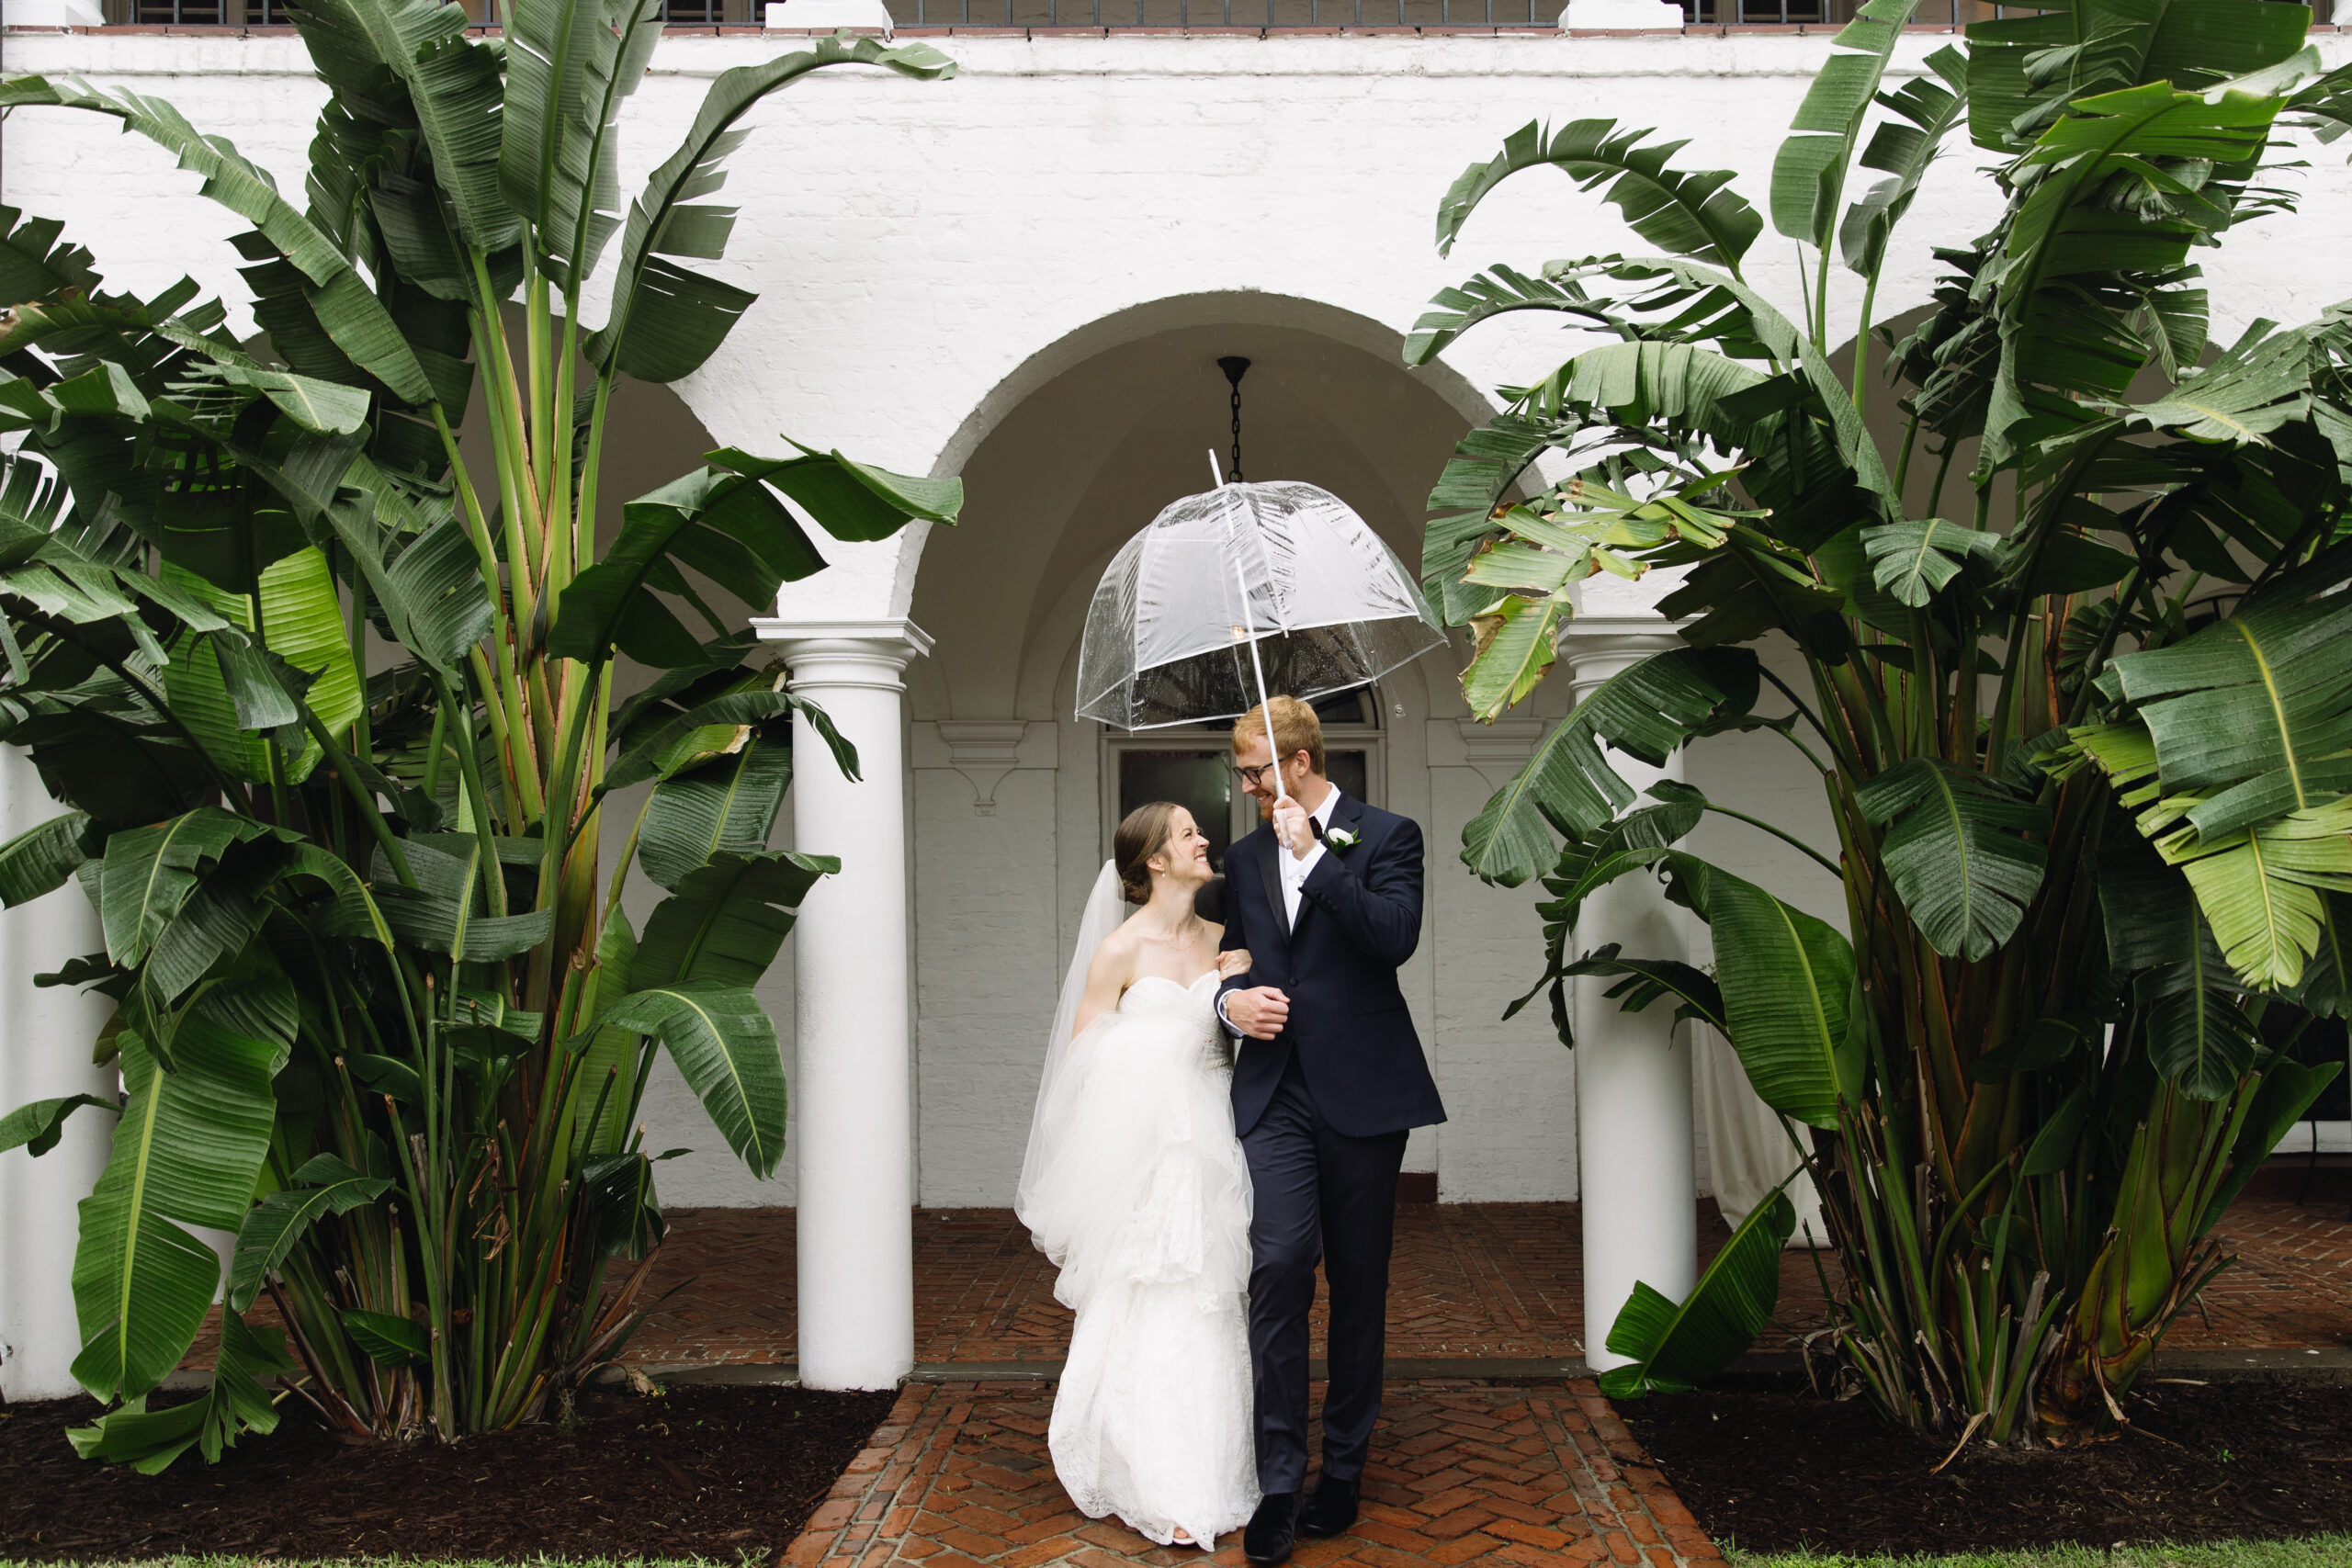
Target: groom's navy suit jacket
1358, 920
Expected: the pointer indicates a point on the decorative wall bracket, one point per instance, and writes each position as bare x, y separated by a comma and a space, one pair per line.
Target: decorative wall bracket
984, 750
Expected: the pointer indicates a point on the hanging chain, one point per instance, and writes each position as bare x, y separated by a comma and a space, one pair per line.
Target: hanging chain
1235, 477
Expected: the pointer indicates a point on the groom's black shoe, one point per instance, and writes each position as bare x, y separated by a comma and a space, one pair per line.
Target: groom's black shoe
1273, 1530
1332, 1508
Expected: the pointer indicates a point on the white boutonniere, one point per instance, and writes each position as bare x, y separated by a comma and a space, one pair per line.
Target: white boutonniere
1341, 837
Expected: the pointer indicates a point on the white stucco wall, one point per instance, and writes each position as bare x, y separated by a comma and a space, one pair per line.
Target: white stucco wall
936, 257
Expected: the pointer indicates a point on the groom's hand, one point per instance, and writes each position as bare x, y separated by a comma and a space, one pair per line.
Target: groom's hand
1259, 1012
1293, 828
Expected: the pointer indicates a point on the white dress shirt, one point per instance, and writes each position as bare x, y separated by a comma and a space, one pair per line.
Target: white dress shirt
1294, 869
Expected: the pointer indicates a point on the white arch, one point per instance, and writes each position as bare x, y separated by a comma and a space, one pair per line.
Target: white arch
1215, 307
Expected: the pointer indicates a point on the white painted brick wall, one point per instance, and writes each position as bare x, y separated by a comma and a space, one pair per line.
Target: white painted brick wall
931, 254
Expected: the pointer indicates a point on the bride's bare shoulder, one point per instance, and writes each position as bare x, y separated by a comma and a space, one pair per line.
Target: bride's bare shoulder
1117, 953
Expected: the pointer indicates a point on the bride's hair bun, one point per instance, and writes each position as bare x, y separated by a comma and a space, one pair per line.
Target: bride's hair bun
1142, 833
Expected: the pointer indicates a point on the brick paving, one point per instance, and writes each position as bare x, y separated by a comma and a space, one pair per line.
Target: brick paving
1475, 1280
1461, 1473
1464, 1470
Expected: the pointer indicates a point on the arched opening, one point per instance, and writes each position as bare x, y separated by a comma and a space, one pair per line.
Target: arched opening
1014, 798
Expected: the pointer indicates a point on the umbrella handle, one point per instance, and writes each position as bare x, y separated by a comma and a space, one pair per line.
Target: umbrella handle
1250, 630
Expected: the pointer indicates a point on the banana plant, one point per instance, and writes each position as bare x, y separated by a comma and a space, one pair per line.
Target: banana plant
2069, 620
333, 716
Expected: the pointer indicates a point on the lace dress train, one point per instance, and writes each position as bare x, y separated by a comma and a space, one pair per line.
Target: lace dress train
1144, 1203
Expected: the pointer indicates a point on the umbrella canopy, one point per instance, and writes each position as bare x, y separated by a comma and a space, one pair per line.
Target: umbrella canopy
1284, 571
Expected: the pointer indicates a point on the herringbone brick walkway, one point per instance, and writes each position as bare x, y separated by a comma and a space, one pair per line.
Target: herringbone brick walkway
1461, 1473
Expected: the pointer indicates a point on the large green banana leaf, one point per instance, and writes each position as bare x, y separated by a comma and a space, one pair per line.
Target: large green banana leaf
728, 805
1676, 1347
188, 1151
1647, 711
728, 920
1791, 1000
733, 529
665, 319
236, 1399
569, 68
726, 1049
347, 309
1809, 172
1689, 214
325, 1186
1964, 850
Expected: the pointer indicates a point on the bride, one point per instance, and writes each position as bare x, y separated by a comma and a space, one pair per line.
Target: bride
1136, 1187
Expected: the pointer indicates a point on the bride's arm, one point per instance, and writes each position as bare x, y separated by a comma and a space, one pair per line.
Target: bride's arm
1107, 979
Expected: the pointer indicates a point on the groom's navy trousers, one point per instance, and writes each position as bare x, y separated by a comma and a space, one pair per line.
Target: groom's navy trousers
1324, 1110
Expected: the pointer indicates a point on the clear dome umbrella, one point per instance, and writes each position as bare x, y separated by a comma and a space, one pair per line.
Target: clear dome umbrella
1243, 590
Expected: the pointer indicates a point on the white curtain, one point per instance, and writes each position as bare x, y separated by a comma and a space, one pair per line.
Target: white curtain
1746, 1143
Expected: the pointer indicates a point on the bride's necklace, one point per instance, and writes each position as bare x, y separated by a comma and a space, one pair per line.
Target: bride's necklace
1177, 935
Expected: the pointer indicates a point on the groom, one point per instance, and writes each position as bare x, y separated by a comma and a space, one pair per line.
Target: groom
1328, 1080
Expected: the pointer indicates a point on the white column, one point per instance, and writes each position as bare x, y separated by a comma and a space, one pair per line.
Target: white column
855, 1130
53, 14
45, 1039
1633, 1070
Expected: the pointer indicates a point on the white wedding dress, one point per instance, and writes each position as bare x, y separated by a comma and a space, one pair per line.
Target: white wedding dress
1137, 1188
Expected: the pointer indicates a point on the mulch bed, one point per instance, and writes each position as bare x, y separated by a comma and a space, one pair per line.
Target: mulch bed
1784, 1470
722, 1472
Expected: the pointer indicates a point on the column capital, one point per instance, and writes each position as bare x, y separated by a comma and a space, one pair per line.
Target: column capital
846, 653
1598, 647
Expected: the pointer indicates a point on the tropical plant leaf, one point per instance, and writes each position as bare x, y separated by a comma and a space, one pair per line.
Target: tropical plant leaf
666, 321
325, 1186
1677, 1348
1516, 641
41, 859
454, 91
848, 500
726, 805
188, 1151
2288, 1091
726, 1049
149, 872
1792, 1004
2199, 1036
1809, 172
444, 912
568, 69
1689, 214
36, 1128
2262, 887
728, 920
1913, 560
2261, 382
1925, 109
733, 529
1647, 711
387, 1340
1499, 291
1964, 852
348, 312
235, 1401
2254, 712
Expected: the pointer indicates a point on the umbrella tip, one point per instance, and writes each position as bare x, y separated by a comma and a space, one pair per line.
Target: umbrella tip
1233, 364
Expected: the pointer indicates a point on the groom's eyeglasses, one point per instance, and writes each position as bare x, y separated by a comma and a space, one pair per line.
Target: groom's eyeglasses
1254, 777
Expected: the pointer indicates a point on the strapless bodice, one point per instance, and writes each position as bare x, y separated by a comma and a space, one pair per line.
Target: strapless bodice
1156, 996
1194, 1006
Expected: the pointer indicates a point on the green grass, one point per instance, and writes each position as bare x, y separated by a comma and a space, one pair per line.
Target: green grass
2318, 1551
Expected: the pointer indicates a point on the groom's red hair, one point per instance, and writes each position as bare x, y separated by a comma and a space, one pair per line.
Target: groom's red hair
1297, 730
